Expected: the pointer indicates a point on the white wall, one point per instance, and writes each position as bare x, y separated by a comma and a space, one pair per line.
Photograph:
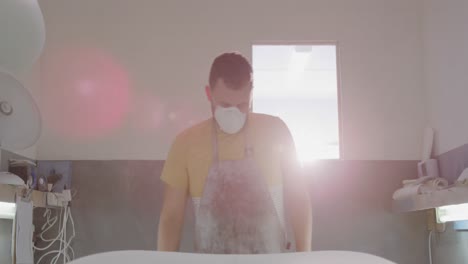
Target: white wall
167, 47
445, 74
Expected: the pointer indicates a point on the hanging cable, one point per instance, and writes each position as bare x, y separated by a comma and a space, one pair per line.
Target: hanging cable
64, 219
430, 246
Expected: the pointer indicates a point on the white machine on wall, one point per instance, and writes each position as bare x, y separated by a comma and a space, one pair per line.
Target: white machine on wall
20, 122
22, 31
430, 191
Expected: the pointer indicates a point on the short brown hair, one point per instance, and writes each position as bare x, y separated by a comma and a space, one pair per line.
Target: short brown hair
233, 68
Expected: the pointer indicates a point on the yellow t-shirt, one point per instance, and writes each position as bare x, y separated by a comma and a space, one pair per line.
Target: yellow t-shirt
191, 155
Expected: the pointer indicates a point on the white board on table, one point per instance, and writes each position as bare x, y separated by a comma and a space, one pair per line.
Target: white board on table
154, 257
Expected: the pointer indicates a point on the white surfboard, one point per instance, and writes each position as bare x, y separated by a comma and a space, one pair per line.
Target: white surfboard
154, 257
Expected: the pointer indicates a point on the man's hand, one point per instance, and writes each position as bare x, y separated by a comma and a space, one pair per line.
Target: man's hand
172, 219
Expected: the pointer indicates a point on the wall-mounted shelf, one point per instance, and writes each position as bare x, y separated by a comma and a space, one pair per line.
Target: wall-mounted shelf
39, 199
451, 196
49, 199
11, 184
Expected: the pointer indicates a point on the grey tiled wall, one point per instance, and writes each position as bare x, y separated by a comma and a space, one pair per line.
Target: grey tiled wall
352, 205
453, 162
117, 205
118, 202
450, 247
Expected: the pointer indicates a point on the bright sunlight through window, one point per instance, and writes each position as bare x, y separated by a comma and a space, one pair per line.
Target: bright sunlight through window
298, 83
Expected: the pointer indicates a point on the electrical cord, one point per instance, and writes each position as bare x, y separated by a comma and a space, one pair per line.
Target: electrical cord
64, 218
58, 238
430, 246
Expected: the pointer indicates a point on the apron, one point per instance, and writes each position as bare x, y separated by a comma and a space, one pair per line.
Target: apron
236, 213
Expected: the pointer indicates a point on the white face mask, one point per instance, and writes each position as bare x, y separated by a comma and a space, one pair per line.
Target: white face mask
230, 120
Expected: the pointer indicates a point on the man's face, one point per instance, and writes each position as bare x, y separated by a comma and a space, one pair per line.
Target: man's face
224, 96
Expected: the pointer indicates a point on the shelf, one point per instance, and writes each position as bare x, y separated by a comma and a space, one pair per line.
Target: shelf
43, 199
7, 194
451, 196
39, 199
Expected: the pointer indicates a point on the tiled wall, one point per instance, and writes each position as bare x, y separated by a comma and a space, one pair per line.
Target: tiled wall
450, 247
352, 201
453, 162
118, 202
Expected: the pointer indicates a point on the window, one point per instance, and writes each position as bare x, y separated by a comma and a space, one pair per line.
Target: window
299, 84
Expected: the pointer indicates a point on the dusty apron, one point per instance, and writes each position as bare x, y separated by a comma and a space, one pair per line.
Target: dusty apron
236, 213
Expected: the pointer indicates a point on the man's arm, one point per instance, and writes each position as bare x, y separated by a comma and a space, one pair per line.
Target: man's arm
298, 206
296, 191
175, 177
172, 219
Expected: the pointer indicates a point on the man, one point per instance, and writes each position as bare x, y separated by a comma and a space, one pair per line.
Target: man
235, 167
